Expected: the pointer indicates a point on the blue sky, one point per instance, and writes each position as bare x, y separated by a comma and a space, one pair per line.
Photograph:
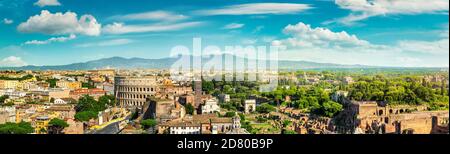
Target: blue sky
370, 32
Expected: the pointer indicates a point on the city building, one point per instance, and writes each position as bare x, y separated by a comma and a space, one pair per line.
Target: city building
81, 79
201, 124
210, 106
40, 124
64, 101
96, 93
72, 85
64, 111
7, 114
108, 87
12, 93
185, 128
236, 126
58, 93
103, 72
10, 84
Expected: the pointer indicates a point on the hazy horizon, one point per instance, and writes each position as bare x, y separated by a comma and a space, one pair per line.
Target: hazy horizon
129, 58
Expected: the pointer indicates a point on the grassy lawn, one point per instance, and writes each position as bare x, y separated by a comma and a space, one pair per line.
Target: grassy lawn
265, 128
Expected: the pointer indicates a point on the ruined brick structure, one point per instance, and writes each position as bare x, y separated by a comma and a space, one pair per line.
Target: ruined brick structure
162, 110
378, 118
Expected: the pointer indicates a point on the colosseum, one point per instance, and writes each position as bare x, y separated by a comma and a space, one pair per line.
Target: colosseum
133, 91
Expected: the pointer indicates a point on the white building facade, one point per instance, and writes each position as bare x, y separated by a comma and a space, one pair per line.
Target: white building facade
210, 106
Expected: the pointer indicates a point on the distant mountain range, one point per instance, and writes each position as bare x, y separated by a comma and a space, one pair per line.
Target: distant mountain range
165, 63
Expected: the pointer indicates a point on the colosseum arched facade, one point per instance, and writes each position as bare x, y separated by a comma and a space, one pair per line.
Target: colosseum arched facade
133, 91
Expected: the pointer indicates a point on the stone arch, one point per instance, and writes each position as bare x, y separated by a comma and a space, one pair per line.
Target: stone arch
390, 111
401, 111
380, 112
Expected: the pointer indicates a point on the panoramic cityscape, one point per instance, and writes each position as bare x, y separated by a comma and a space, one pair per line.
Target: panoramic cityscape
224, 67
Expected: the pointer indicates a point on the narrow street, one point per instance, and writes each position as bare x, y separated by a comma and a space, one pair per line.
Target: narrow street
112, 128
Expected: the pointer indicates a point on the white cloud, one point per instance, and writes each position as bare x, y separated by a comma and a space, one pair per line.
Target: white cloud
121, 28
114, 42
362, 9
12, 61
153, 15
305, 36
257, 9
43, 3
50, 40
437, 47
7, 21
324, 45
431, 47
233, 26
60, 24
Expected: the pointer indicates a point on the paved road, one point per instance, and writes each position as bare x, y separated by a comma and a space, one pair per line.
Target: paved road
112, 128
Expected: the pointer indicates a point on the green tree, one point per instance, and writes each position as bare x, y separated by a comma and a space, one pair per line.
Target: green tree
227, 89
242, 116
147, 123
329, 109
56, 126
85, 115
230, 114
16, 128
265, 108
261, 119
108, 100
52, 82
286, 123
43, 131
189, 109
88, 103
207, 86
246, 125
3, 98
87, 85
289, 132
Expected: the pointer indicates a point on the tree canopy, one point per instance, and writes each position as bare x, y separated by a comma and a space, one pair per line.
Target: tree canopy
85, 115
328, 109
16, 128
55, 126
3, 98
265, 108
88, 108
400, 90
189, 109
147, 123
